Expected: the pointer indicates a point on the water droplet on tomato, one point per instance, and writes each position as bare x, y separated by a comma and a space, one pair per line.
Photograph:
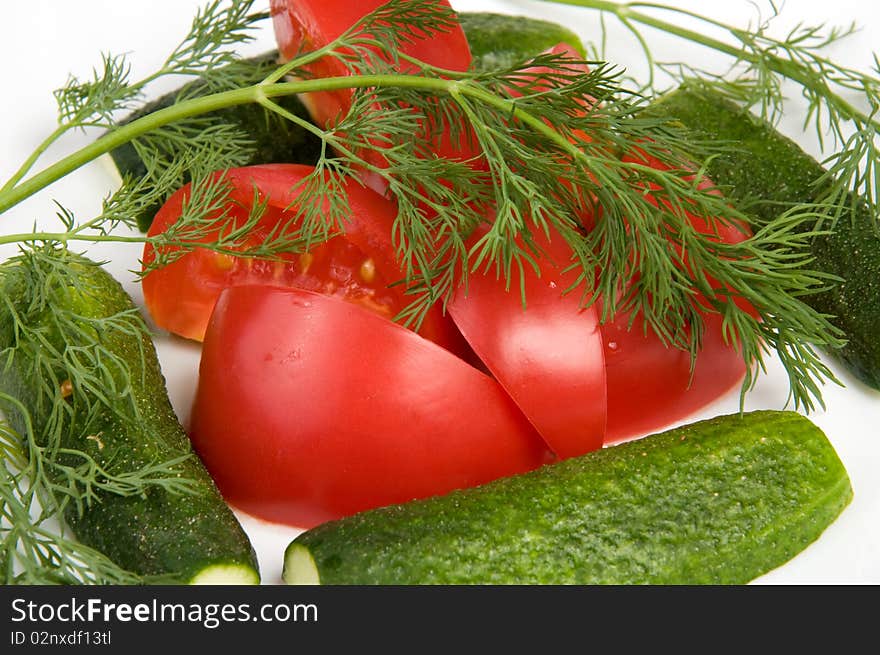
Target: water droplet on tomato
613, 346
293, 356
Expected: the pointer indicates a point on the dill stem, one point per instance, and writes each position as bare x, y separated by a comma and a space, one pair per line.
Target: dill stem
65, 237
626, 13
13, 194
35, 155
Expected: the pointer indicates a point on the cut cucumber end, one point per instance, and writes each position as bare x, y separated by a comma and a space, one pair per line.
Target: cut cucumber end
299, 566
226, 574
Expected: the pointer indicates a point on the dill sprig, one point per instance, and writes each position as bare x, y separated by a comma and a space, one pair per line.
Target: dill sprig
842, 102
643, 254
60, 359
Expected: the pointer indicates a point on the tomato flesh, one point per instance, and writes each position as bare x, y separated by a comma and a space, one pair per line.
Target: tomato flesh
358, 265
310, 408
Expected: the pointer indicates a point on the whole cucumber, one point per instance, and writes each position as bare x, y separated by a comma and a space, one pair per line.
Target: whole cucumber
77, 315
719, 501
769, 173
499, 41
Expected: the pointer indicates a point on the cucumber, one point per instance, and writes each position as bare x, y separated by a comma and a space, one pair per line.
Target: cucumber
767, 173
275, 140
719, 501
190, 537
500, 41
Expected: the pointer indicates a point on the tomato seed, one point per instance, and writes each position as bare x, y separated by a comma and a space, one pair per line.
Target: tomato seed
305, 261
223, 261
368, 270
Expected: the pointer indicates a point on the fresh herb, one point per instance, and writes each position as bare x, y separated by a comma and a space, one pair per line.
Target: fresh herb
81, 380
842, 102
643, 255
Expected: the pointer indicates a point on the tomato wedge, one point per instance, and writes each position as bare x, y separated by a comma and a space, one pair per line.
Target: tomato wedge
547, 355
357, 266
642, 372
305, 25
309, 408
650, 385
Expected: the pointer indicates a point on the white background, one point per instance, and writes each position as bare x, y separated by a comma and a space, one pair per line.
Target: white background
41, 41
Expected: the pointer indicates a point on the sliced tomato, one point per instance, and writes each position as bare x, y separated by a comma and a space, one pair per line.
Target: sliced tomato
642, 372
547, 354
582, 384
310, 408
651, 386
306, 25
358, 265
564, 50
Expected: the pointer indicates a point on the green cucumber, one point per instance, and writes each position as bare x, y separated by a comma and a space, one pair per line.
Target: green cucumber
719, 501
162, 535
496, 41
274, 139
500, 41
767, 173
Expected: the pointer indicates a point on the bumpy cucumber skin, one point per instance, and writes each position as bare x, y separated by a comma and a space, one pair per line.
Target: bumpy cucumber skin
500, 41
165, 537
275, 139
768, 173
717, 502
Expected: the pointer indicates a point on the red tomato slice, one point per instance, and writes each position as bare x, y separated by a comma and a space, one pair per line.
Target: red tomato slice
642, 372
310, 408
565, 50
650, 385
305, 25
357, 266
547, 355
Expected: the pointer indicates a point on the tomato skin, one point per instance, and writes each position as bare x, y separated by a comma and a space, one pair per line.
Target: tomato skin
650, 385
309, 408
181, 295
547, 355
642, 372
303, 25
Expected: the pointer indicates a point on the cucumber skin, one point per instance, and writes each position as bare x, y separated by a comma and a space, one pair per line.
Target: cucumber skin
500, 41
768, 173
163, 536
716, 502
